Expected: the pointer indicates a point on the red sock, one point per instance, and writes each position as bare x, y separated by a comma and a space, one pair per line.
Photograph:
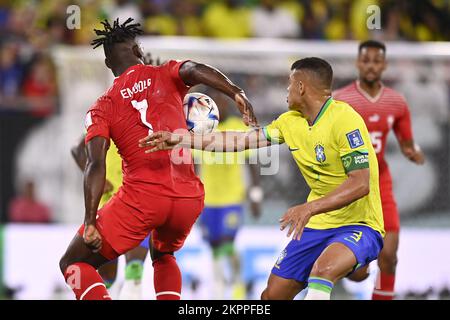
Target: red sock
384, 289
85, 282
167, 278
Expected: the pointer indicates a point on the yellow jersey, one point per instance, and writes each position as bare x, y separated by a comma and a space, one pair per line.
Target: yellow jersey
113, 172
336, 143
222, 174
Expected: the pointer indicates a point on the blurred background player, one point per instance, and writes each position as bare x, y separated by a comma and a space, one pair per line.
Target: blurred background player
131, 288
223, 177
383, 109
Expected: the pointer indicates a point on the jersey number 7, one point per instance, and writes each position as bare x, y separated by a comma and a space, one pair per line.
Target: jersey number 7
142, 107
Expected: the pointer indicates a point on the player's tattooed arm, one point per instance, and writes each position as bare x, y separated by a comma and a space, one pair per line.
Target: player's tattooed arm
94, 177
193, 73
229, 141
355, 187
412, 151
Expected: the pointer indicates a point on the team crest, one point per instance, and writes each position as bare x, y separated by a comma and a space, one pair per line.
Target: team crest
320, 153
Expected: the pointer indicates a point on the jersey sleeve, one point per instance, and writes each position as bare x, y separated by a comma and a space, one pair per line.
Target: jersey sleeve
97, 120
274, 132
402, 125
352, 141
174, 73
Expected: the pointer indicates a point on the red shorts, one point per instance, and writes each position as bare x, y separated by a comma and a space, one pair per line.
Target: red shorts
123, 226
390, 212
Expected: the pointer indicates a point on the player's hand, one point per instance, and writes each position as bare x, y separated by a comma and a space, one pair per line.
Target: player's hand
297, 217
245, 107
92, 238
108, 187
415, 154
161, 140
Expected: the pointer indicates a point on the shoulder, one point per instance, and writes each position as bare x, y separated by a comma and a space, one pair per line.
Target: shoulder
343, 114
288, 115
103, 103
394, 96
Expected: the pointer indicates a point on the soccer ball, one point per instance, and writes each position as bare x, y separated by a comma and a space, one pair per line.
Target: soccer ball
202, 114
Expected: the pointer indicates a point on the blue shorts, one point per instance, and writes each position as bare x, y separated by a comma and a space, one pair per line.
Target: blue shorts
299, 256
144, 243
219, 223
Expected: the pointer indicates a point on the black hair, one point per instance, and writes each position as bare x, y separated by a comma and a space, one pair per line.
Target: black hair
321, 68
116, 33
372, 44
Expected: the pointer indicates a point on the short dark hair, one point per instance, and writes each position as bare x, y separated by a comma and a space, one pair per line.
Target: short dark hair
116, 33
321, 68
372, 44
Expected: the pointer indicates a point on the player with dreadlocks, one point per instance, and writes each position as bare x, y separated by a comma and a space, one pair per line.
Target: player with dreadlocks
158, 195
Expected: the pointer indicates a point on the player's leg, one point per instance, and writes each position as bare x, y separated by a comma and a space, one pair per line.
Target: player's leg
108, 272
293, 266
279, 288
335, 262
79, 264
351, 248
211, 223
168, 238
132, 286
387, 261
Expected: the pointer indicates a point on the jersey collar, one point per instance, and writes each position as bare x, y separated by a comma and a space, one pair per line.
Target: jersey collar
366, 95
322, 110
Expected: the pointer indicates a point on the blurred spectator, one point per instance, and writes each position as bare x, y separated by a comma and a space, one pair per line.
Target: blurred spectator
187, 19
272, 21
124, 9
26, 208
226, 19
11, 72
39, 88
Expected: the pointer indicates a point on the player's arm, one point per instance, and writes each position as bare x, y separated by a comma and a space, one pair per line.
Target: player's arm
219, 141
403, 131
412, 151
355, 187
94, 181
193, 73
79, 154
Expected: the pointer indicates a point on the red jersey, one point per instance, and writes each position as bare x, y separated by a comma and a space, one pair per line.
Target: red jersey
388, 110
141, 100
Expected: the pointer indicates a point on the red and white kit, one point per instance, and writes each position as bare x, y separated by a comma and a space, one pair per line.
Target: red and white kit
388, 110
157, 194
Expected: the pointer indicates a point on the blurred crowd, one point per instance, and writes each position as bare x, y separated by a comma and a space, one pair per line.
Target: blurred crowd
29, 28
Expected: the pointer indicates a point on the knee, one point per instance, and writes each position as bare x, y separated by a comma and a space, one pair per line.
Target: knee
326, 271
267, 294
387, 261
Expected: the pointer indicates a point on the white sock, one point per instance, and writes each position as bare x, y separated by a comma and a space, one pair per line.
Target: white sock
218, 279
319, 289
131, 290
314, 294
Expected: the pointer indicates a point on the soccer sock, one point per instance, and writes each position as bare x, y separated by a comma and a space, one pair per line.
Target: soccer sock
167, 278
132, 288
85, 282
319, 289
219, 278
134, 270
384, 289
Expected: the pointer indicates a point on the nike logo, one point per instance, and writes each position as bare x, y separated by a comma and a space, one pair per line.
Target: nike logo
292, 149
